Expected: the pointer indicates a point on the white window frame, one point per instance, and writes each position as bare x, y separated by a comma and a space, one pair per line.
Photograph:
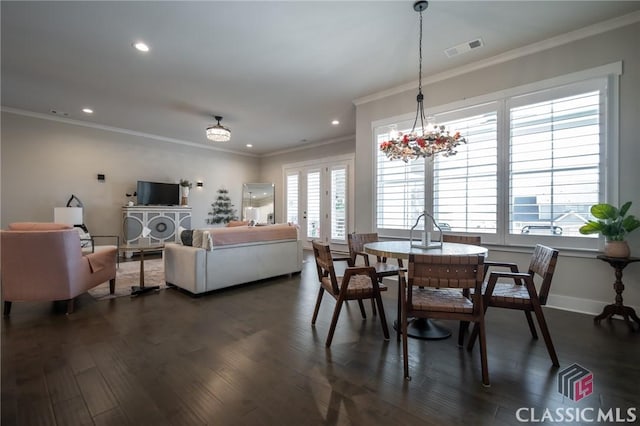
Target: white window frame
605, 77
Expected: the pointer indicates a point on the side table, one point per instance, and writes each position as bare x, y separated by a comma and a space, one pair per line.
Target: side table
141, 289
618, 263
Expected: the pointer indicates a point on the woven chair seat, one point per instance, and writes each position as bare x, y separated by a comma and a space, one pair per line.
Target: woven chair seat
359, 285
440, 300
509, 293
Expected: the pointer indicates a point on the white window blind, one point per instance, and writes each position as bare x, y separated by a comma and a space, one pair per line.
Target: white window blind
555, 164
400, 189
313, 204
292, 198
338, 203
465, 185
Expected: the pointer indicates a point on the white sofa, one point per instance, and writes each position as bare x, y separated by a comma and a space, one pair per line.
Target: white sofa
233, 256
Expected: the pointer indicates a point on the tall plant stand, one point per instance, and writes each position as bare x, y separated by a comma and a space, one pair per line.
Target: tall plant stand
617, 308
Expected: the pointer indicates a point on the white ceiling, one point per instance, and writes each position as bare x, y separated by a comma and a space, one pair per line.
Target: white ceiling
278, 72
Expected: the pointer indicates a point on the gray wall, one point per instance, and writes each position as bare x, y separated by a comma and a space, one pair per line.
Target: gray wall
581, 282
44, 162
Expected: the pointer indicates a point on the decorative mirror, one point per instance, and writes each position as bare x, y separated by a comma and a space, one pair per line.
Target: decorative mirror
258, 201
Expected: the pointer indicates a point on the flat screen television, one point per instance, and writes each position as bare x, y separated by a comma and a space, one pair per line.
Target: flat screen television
158, 194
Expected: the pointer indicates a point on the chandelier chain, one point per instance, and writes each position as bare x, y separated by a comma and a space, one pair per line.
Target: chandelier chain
420, 97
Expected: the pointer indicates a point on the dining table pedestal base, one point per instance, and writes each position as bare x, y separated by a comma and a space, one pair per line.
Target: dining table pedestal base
425, 329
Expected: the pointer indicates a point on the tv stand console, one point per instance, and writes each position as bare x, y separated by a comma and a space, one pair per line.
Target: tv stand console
153, 224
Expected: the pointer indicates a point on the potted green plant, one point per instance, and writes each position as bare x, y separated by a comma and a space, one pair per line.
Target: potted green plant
614, 224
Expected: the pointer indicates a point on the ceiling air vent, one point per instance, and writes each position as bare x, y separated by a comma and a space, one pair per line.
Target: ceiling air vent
463, 47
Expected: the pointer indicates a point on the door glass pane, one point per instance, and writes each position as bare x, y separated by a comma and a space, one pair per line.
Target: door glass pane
292, 198
313, 204
338, 203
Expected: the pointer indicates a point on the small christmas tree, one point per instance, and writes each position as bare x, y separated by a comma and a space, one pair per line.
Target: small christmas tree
222, 210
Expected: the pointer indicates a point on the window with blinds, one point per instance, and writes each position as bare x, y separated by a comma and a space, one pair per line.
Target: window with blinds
465, 185
400, 188
533, 165
292, 198
339, 203
555, 164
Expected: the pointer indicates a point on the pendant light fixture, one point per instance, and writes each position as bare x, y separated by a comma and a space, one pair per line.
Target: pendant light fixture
421, 142
217, 132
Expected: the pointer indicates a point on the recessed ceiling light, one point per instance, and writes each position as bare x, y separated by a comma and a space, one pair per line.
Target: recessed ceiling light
141, 46
87, 110
249, 145
335, 122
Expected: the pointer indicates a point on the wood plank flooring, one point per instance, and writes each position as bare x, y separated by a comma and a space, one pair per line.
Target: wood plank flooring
249, 356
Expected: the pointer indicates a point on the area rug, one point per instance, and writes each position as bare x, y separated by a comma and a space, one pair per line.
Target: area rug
128, 274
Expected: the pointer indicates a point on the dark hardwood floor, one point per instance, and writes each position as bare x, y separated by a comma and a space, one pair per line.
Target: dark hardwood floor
249, 356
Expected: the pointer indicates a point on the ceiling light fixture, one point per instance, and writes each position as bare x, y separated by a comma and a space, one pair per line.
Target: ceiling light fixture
87, 110
249, 145
335, 122
421, 143
217, 132
141, 46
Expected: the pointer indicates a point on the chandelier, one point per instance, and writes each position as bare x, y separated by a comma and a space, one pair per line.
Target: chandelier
422, 142
217, 132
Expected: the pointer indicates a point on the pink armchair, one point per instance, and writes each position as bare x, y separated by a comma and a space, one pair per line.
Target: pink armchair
44, 261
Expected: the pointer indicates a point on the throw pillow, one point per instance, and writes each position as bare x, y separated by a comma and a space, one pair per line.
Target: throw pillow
207, 241
186, 237
197, 238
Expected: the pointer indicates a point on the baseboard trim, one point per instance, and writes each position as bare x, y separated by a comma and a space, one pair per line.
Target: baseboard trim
576, 304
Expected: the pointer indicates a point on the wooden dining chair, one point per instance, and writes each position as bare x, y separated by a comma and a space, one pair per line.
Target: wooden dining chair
358, 283
463, 239
521, 293
433, 291
383, 269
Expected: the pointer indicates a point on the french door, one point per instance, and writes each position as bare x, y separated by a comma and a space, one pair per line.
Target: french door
318, 199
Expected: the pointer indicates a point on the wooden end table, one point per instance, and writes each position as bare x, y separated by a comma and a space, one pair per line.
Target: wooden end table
141, 289
619, 263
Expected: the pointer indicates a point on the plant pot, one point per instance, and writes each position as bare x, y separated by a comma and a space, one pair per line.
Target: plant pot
617, 249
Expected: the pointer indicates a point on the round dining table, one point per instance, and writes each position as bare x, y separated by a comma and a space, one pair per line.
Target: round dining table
422, 328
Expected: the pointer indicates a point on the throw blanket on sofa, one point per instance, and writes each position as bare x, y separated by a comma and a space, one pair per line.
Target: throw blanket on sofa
208, 238
252, 234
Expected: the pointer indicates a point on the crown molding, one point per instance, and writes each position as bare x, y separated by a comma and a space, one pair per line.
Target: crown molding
562, 39
129, 132
311, 145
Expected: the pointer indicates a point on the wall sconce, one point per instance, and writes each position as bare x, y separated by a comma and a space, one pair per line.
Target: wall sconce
199, 184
